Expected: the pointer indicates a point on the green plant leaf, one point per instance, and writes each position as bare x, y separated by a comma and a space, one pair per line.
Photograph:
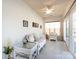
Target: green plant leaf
7, 50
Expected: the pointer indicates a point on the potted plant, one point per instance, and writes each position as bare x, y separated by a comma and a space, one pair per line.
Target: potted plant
7, 51
8, 48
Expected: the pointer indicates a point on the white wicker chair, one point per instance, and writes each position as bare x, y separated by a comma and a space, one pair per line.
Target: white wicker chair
53, 36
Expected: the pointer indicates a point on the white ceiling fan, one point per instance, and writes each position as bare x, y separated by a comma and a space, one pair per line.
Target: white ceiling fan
47, 10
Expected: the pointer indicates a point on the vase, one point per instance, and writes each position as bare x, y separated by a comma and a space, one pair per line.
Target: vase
9, 56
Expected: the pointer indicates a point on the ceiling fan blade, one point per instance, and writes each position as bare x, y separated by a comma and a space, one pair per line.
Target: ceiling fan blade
44, 9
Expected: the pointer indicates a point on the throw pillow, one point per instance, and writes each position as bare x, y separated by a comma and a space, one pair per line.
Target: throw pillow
31, 38
25, 39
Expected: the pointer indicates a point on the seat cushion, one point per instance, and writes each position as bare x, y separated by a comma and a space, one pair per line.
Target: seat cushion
29, 45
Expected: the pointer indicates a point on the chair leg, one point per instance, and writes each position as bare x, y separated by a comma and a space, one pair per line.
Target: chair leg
30, 57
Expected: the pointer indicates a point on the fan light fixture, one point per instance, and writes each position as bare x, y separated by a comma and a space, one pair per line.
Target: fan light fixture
47, 10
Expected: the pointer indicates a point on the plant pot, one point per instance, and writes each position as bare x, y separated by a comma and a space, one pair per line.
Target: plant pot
4, 56
9, 56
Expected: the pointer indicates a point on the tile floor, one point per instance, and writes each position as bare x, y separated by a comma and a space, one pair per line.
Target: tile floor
54, 50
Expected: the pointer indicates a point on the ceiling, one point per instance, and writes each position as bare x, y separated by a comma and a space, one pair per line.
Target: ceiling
59, 8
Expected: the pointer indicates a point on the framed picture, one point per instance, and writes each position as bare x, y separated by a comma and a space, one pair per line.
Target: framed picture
40, 26
36, 25
25, 23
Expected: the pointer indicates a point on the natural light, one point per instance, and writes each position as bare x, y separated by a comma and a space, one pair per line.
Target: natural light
52, 27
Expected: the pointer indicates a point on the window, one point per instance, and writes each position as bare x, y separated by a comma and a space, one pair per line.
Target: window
52, 27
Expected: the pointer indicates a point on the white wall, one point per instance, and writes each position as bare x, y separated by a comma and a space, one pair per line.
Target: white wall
14, 12
69, 30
